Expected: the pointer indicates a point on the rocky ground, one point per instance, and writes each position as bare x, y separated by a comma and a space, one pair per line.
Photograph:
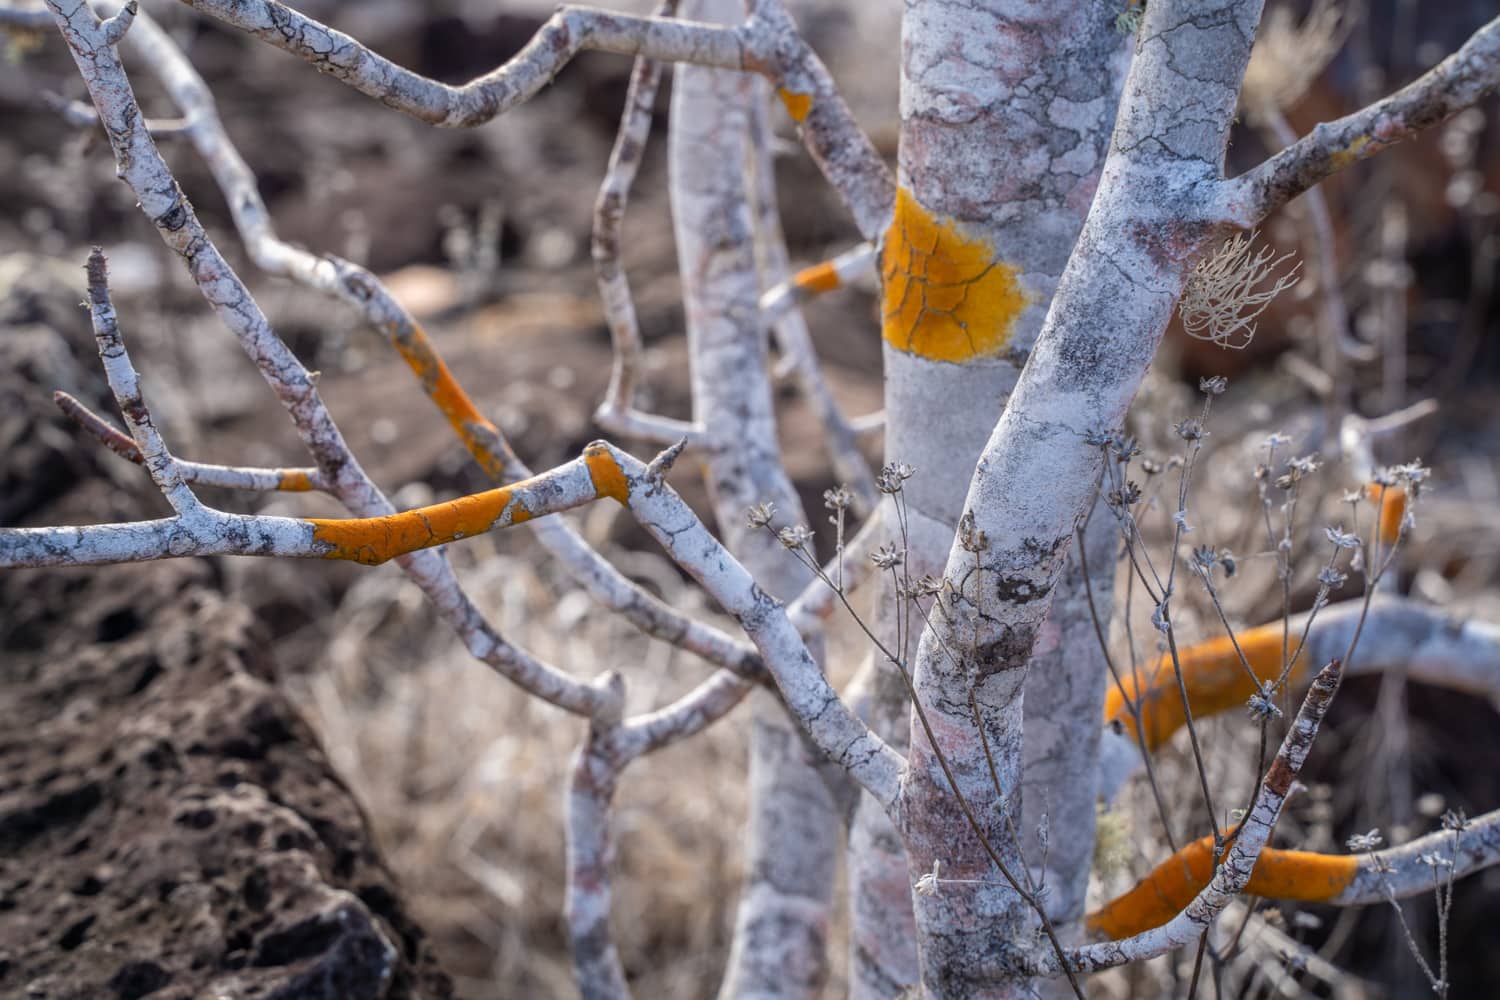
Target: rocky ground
169, 824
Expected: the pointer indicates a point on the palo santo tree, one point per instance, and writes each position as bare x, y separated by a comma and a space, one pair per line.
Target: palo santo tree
1031, 250
792, 831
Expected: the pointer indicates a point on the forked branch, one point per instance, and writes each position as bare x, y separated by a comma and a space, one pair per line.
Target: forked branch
366, 294
597, 767
226, 477
1458, 82
1231, 878
767, 43
602, 471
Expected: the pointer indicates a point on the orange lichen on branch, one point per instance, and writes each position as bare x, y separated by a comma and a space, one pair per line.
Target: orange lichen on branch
797, 105
608, 478
373, 540
818, 279
1302, 876
947, 295
295, 481
479, 435
1213, 674
1390, 501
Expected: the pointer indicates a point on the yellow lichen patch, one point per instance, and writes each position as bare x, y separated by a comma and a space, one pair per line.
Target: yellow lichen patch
373, 540
818, 279
1213, 674
1390, 501
947, 296
1292, 875
608, 478
1343, 157
797, 105
294, 481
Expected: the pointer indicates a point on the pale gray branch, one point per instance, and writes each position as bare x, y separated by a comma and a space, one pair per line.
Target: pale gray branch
1458, 82
362, 291
767, 43
141, 167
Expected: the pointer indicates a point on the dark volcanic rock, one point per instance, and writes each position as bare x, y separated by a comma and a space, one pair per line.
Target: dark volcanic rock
43, 335
169, 827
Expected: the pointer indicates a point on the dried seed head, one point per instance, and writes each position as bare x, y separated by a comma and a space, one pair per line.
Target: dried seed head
1332, 578
795, 537
1411, 476
892, 476
1304, 465
1125, 496
887, 557
1125, 449
1297, 469
761, 515
1190, 430
928, 586
1340, 538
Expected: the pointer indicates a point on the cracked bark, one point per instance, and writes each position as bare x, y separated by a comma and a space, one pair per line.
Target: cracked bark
1006, 112
1035, 478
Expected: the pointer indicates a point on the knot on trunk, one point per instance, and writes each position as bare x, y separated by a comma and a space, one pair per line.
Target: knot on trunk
1009, 651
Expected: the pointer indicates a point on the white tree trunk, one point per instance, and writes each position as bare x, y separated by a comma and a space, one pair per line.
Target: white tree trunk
780, 933
1036, 477
1006, 110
